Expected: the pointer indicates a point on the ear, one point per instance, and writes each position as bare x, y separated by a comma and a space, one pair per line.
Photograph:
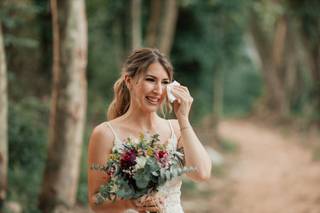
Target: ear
128, 81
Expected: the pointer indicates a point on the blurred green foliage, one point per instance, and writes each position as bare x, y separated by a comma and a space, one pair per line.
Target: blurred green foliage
28, 122
210, 41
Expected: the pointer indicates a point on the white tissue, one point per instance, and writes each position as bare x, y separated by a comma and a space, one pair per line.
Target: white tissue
169, 91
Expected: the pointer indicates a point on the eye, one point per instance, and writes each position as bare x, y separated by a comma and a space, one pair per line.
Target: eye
150, 79
165, 82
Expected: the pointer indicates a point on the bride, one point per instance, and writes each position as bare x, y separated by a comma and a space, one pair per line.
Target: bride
139, 94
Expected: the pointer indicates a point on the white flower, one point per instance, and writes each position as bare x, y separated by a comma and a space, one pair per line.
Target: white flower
134, 140
147, 136
114, 188
141, 162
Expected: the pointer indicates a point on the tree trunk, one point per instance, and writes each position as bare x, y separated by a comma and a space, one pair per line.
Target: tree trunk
217, 111
136, 23
294, 85
168, 26
68, 106
218, 93
153, 30
119, 50
309, 32
271, 53
315, 55
3, 123
45, 44
313, 60
277, 63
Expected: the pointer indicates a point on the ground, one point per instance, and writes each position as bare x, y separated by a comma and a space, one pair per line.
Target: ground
272, 171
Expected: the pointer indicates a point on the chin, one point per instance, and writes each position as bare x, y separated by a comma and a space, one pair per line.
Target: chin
149, 109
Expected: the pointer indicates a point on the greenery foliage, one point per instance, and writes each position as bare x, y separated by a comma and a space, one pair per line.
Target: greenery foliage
210, 41
28, 121
141, 166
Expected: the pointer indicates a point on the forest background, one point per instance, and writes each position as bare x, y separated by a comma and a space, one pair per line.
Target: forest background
239, 58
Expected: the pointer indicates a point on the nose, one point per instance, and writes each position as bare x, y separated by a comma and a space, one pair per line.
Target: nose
158, 88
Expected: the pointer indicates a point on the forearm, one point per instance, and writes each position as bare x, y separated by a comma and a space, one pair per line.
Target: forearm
195, 154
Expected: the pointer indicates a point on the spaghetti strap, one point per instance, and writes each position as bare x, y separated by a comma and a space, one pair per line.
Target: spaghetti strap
173, 137
116, 138
172, 130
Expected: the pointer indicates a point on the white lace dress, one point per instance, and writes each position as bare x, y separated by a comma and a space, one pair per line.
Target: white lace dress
172, 189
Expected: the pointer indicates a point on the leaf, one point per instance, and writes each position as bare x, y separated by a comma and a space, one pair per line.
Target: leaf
168, 175
155, 174
98, 167
151, 165
142, 178
142, 183
125, 191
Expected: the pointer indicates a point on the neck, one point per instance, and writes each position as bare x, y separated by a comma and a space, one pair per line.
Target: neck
146, 121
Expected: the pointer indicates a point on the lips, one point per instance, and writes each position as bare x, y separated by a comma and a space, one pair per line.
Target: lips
153, 100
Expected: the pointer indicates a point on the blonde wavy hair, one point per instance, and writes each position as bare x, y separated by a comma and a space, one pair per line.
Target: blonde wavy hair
136, 64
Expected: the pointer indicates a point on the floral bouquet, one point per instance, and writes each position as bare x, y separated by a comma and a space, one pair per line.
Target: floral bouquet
139, 167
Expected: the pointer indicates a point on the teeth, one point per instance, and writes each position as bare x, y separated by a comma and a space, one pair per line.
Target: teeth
153, 100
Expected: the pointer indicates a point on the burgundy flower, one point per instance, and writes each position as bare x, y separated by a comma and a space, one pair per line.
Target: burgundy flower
163, 158
162, 154
128, 159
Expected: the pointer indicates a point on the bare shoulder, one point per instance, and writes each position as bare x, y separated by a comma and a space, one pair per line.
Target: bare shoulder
101, 141
101, 133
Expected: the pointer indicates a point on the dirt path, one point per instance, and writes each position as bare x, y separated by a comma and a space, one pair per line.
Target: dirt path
270, 174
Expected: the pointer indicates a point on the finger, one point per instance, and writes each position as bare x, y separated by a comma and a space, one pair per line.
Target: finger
149, 208
181, 96
148, 203
181, 93
182, 88
155, 202
153, 205
178, 91
139, 203
153, 209
179, 88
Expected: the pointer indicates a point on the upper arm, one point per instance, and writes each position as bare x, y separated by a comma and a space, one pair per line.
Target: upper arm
100, 147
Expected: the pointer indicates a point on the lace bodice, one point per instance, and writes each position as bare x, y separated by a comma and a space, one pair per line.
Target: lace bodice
171, 191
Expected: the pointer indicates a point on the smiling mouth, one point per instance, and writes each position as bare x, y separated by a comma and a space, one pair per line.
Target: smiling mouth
153, 100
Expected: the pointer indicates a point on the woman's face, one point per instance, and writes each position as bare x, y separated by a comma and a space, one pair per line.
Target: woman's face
148, 90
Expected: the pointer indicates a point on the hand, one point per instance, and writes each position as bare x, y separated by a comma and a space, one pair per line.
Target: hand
182, 104
149, 204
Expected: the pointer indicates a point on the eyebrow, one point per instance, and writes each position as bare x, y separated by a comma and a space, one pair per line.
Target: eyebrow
148, 75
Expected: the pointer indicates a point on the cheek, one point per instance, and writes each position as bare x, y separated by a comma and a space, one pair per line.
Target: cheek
141, 90
146, 87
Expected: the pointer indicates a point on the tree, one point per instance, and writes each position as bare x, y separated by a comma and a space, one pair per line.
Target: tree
308, 18
136, 24
68, 105
293, 28
274, 47
168, 26
153, 23
3, 123
162, 25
